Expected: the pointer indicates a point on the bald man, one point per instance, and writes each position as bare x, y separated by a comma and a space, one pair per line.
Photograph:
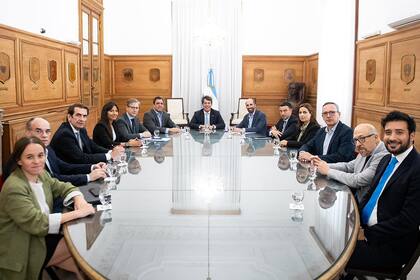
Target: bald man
253, 122
358, 173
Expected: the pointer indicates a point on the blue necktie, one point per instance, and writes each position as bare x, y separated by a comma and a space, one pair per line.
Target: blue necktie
367, 210
133, 125
251, 117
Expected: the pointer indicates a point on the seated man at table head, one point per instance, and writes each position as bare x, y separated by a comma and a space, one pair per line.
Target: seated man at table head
287, 125
332, 143
390, 211
254, 121
158, 119
207, 116
75, 173
72, 144
129, 125
358, 173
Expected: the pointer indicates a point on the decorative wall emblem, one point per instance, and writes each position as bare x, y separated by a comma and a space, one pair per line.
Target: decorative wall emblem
34, 69
128, 74
371, 70
408, 68
52, 70
72, 72
95, 74
154, 74
289, 75
258, 75
4, 67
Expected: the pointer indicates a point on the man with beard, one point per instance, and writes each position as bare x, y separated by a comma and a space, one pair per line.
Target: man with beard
390, 211
255, 121
358, 173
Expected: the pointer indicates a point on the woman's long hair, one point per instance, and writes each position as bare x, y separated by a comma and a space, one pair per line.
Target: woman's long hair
311, 111
104, 115
20, 146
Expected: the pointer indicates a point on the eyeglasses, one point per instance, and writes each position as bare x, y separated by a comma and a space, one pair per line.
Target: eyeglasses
329, 113
362, 139
133, 107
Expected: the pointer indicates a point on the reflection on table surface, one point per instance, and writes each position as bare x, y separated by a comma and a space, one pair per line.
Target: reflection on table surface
216, 207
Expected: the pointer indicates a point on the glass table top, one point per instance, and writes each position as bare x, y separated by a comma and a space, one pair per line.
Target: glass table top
216, 207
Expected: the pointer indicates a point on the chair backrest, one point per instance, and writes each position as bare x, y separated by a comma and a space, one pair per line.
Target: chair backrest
175, 107
242, 108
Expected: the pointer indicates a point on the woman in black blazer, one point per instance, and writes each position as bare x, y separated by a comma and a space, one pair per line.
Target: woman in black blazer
105, 133
306, 130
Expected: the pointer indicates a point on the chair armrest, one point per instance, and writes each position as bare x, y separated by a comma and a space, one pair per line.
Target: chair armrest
232, 117
186, 116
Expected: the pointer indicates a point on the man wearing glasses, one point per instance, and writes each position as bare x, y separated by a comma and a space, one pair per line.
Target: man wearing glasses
358, 173
129, 125
333, 143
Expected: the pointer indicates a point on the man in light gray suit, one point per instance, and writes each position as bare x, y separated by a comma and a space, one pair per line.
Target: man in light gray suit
358, 173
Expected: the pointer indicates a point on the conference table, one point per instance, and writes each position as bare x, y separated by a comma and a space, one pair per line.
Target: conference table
217, 206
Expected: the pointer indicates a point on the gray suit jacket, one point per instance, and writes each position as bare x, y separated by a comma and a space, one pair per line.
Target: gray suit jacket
351, 173
151, 121
125, 131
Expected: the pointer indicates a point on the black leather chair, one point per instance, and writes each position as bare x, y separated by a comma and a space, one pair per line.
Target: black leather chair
386, 273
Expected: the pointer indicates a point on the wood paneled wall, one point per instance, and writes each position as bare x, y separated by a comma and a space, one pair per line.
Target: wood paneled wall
267, 77
141, 76
38, 77
388, 76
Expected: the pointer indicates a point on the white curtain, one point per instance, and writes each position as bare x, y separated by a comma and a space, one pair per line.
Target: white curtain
192, 59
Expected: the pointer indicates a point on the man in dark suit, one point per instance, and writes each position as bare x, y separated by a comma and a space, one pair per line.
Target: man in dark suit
254, 121
390, 211
287, 125
158, 119
129, 125
333, 143
207, 116
77, 174
72, 144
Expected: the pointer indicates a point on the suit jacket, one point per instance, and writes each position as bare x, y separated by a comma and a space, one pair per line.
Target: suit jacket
398, 209
341, 146
291, 127
215, 119
23, 226
354, 175
259, 123
151, 121
67, 148
308, 134
126, 131
67, 172
103, 138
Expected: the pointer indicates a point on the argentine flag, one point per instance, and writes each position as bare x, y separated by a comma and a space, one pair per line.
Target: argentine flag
211, 89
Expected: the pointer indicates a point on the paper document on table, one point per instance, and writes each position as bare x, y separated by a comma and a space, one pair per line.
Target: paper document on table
163, 139
250, 132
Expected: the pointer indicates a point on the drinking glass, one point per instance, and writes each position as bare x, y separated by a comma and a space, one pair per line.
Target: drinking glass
111, 170
105, 195
156, 133
312, 171
297, 216
297, 197
187, 133
292, 155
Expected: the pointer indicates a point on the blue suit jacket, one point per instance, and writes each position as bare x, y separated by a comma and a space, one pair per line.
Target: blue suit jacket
66, 147
259, 123
341, 148
215, 119
66, 172
398, 209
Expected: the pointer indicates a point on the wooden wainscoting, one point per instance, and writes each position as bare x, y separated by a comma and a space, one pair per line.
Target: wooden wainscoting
388, 76
142, 77
267, 78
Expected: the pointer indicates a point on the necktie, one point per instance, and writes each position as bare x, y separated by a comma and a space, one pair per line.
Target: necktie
366, 160
133, 125
47, 163
159, 115
250, 120
284, 126
79, 140
207, 119
367, 210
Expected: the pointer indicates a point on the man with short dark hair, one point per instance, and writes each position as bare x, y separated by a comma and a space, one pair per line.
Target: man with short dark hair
390, 211
254, 121
72, 143
334, 142
158, 119
129, 125
287, 125
207, 116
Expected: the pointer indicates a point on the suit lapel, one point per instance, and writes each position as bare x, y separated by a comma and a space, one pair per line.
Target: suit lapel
402, 168
335, 135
